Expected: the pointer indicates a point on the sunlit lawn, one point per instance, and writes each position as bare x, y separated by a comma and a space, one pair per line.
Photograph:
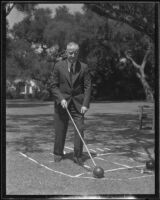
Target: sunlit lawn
30, 130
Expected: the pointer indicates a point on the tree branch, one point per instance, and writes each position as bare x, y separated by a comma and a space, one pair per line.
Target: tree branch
115, 14
133, 62
145, 59
9, 7
138, 75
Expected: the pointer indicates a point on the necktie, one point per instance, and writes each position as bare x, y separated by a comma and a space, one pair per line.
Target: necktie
71, 69
71, 72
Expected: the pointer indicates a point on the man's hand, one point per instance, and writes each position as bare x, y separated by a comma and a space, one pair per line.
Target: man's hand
83, 109
64, 103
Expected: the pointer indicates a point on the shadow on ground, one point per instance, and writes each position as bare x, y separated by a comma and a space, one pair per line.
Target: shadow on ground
119, 132
24, 103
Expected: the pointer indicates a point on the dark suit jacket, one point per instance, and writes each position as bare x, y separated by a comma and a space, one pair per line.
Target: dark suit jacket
79, 90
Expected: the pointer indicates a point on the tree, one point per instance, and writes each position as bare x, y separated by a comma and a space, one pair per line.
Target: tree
20, 60
38, 41
32, 29
141, 63
22, 7
141, 18
30, 56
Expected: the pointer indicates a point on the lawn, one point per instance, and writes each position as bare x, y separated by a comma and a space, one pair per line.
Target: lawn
111, 133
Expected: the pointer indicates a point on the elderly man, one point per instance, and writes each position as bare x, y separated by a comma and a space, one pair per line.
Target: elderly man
71, 88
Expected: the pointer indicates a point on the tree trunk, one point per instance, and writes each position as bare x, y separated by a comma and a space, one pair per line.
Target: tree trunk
141, 75
147, 88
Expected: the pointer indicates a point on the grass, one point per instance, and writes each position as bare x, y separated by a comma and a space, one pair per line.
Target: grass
30, 130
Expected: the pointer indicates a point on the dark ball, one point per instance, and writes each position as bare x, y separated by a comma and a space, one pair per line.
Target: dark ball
98, 172
150, 164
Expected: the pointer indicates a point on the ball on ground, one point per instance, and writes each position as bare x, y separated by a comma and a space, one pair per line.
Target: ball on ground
150, 164
98, 172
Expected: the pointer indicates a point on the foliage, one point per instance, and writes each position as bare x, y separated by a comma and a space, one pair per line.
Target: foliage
140, 16
140, 43
22, 7
39, 40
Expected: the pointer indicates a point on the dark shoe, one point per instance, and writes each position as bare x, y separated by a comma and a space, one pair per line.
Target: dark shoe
57, 158
78, 161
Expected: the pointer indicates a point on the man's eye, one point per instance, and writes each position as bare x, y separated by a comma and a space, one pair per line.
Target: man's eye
72, 53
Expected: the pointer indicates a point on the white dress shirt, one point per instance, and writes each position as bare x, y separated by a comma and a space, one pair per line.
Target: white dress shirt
69, 66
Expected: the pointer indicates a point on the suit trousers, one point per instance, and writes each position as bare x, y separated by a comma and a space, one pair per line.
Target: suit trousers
61, 127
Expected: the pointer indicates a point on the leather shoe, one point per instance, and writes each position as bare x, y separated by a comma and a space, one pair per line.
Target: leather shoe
78, 161
57, 158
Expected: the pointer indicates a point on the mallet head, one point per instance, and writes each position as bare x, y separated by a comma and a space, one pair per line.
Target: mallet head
98, 172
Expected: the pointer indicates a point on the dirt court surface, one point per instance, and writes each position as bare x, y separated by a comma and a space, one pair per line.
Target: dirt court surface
112, 134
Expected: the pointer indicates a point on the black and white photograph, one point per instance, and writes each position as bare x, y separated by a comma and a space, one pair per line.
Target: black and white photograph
80, 99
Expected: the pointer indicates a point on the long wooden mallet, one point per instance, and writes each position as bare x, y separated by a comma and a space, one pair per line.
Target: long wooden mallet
80, 136
98, 171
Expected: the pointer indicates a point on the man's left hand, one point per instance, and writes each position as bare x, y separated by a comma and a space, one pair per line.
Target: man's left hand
83, 109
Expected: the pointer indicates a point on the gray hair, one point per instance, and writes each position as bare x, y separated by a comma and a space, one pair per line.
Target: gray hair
72, 45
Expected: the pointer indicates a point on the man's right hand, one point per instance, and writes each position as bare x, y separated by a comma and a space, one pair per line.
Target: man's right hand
64, 103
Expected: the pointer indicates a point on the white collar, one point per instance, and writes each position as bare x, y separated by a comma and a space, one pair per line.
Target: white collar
69, 65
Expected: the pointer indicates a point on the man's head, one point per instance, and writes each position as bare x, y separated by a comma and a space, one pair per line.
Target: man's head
72, 51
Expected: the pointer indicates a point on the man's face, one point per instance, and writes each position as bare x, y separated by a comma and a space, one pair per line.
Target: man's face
72, 55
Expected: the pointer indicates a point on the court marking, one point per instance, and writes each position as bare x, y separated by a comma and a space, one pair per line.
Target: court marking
137, 177
87, 166
104, 154
116, 179
130, 159
45, 165
98, 155
70, 148
126, 166
99, 149
116, 153
80, 175
53, 161
142, 153
107, 148
122, 168
92, 150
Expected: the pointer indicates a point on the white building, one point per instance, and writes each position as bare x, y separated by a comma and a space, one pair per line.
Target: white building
26, 87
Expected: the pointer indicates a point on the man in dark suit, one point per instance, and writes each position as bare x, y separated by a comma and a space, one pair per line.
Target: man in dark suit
71, 88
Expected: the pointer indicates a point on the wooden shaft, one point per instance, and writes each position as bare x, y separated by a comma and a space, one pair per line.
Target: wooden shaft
80, 136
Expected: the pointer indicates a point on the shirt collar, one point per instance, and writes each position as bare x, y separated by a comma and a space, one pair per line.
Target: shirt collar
69, 63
